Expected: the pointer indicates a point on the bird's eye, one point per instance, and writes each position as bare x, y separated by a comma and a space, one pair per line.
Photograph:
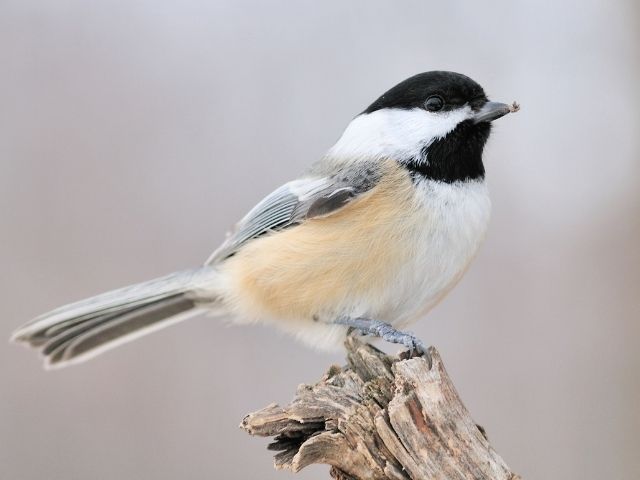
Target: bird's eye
434, 103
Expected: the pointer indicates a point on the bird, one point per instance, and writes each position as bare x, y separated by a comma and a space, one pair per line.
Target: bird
367, 240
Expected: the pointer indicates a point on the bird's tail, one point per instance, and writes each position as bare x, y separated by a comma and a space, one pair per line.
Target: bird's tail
79, 331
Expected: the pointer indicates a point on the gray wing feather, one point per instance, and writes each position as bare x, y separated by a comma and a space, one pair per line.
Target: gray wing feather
289, 205
331, 202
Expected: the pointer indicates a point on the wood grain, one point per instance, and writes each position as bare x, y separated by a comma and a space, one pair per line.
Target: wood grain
378, 418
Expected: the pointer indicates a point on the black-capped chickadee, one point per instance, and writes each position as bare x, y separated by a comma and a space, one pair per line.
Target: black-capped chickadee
371, 237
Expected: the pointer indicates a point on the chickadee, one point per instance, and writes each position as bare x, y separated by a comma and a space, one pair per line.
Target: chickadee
370, 238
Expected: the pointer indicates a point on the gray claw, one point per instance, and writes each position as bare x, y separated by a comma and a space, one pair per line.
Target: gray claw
385, 331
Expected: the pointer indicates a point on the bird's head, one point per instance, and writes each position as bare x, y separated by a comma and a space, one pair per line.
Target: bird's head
436, 123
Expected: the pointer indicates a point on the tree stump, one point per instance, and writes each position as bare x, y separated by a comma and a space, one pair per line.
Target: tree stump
380, 417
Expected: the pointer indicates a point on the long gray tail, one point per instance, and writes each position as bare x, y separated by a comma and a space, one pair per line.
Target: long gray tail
79, 331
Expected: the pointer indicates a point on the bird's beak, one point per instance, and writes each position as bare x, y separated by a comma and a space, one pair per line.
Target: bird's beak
493, 110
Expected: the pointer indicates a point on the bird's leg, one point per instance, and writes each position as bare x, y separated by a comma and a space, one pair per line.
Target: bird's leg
367, 326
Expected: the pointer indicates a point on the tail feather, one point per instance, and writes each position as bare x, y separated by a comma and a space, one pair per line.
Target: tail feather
117, 329
81, 330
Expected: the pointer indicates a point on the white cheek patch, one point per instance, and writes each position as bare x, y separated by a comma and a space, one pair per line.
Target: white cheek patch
396, 133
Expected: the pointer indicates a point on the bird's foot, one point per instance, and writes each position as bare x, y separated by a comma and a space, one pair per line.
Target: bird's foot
376, 328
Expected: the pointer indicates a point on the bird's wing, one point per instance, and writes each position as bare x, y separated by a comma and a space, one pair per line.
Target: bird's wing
293, 203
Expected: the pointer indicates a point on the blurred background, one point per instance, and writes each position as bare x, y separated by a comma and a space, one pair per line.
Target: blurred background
134, 134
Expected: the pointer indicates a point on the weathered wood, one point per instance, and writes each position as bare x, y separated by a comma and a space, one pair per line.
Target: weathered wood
378, 418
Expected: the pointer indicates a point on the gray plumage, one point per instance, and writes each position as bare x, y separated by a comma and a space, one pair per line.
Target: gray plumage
66, 334
83, 329
328, 187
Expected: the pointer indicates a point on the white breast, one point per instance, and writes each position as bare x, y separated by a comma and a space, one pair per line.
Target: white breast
446, 232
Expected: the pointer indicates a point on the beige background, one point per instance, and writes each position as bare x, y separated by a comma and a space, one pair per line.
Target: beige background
133, 134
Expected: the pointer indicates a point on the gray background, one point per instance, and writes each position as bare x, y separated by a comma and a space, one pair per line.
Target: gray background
133, 134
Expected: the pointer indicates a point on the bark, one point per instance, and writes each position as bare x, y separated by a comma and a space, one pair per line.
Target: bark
380, 417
